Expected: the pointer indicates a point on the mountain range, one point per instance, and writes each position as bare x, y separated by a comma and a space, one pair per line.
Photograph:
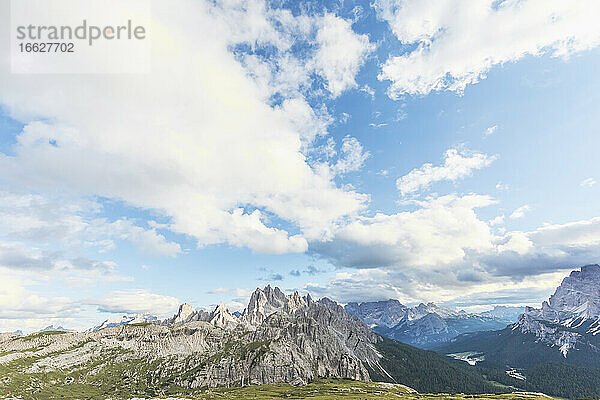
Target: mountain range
124, 320
428, 325
295, 339
554, 348
278, 338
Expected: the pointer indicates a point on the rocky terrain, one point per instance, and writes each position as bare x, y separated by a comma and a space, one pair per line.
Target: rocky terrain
278, 338
427, 325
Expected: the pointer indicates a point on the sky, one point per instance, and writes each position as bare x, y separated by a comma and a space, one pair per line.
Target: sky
416, 150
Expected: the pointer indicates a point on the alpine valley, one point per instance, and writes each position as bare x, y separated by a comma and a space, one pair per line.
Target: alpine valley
293, 346
554, 349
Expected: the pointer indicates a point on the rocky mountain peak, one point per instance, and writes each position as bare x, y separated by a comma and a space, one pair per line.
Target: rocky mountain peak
221, 317
571, 312
591, 269
577, 297
264, 302
184, 313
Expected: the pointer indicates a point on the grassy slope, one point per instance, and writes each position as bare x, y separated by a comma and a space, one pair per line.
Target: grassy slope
337, 389
103, 378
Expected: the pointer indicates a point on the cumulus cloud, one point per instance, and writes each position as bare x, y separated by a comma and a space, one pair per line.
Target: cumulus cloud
438, 233
447, 287
552, 247
353, 156
73, 223
341, 53
18, 302
18, 256
443, 251
209, 151
456, 43
137, 301
520, 212
499, 220
457, 165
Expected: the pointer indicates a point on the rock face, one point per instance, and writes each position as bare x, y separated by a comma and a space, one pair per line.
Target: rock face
571, 315
378, 313
425, 325
222, 318
277, 338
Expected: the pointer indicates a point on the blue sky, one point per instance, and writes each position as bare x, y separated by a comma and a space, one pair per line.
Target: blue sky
352, 150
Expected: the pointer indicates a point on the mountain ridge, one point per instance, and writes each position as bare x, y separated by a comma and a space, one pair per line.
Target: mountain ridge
278, 338
425, 325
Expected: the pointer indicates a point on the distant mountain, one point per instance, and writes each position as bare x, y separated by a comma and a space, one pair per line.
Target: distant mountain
124, 320
52, 328
278, 338
555, 348
505, 313
425, 325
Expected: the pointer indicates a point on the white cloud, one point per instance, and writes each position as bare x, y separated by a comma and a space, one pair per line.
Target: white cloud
73, 224
520, 212
368, 90
137, 301
499, 220
201, 145
489, 131
443, 250
344, 117
220, 291
394, 261
341, 53
588, 183
18, 302
352, 157
306, 120
580, 233
401, 114
457, 165
413, 287
438, 233
19, 256
502, 186
457, 43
